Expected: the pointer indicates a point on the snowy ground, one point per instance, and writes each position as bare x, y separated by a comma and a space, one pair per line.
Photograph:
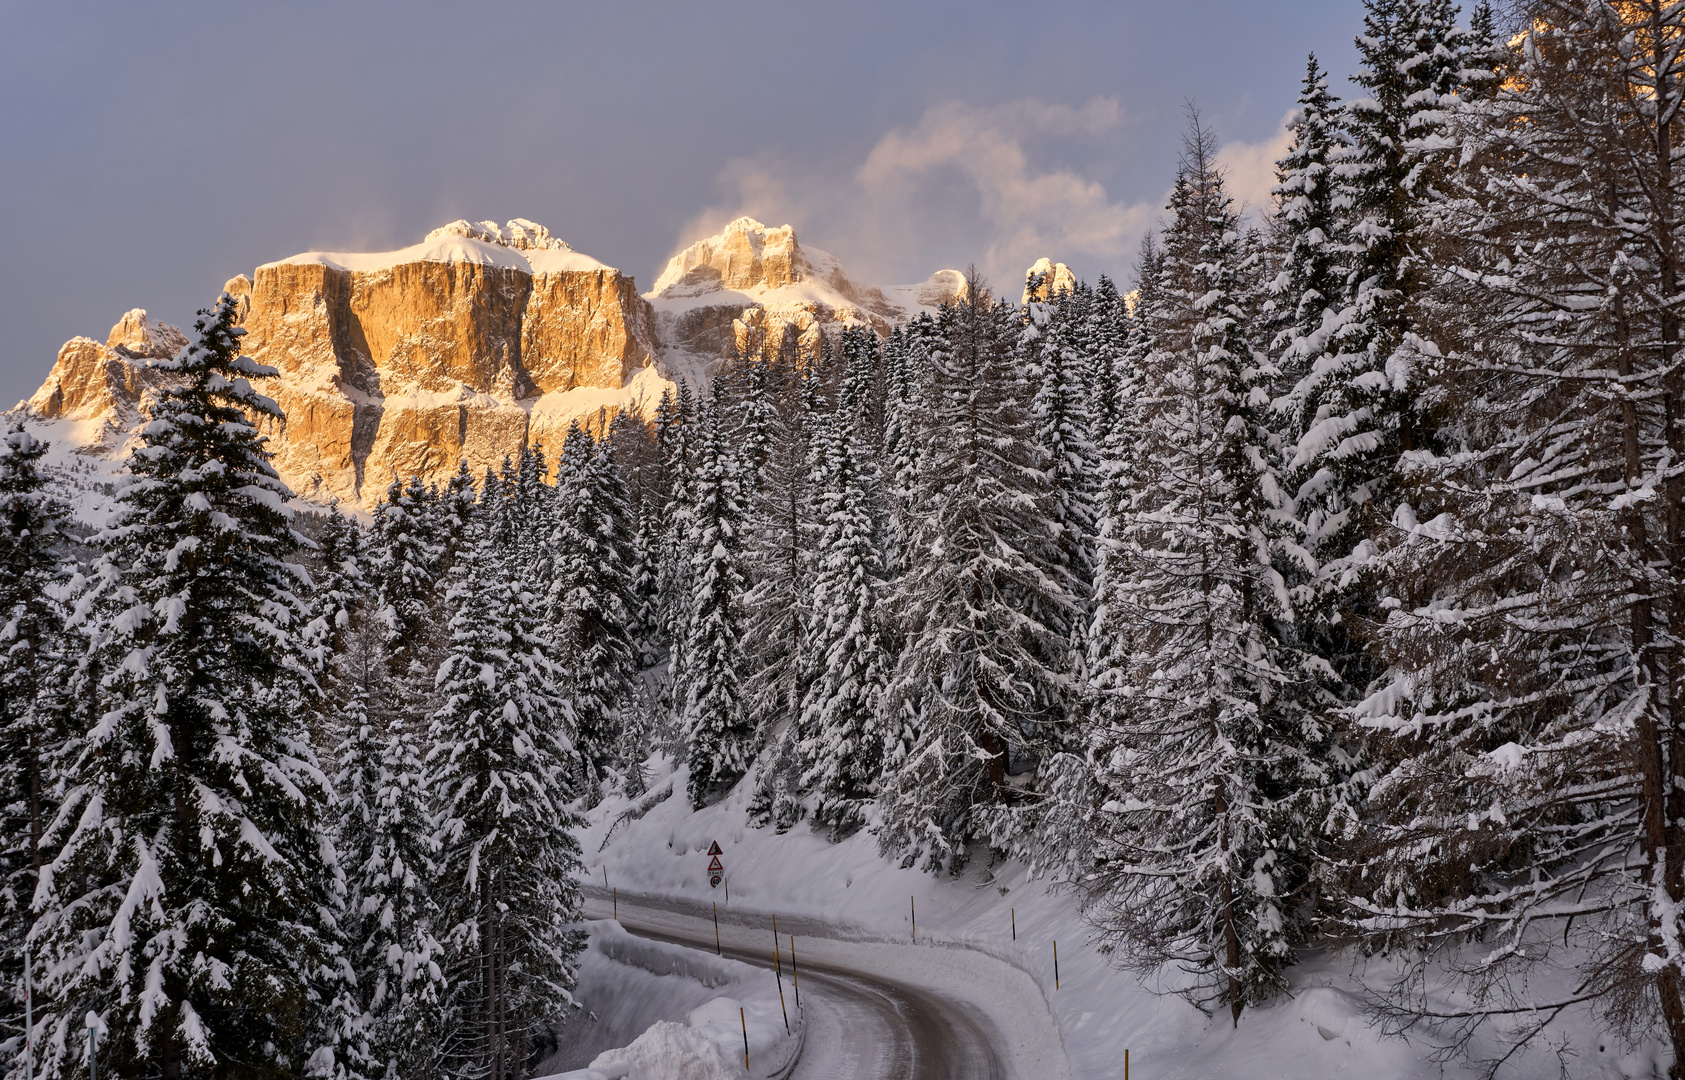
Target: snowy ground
655, 1010
852, 909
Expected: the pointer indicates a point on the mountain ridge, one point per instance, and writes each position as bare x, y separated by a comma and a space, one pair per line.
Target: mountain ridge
475, 342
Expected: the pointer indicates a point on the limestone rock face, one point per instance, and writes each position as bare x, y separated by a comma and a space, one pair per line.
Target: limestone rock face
746, 255
407, 362
585, 327
1054, 278
942, 287
398, 363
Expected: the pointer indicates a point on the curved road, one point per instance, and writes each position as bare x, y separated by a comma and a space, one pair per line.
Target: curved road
860, 1026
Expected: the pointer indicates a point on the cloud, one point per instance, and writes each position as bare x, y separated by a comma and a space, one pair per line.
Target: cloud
1026, 211
962, 184
1249, 168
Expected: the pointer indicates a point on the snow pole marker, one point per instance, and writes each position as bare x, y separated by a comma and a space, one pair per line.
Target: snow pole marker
795, 978
744, 1020
605, 875
717, 948
1126, 1063
28, 1017
1055, 965
778, 972
728, 890
1014, 923
914, 908
616, 905
93, 1046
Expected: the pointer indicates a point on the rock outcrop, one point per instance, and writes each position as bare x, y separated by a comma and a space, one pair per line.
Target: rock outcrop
107, 384
1050, 279
407, 362
753, 288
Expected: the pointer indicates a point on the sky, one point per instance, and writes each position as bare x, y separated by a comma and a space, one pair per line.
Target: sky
149, 152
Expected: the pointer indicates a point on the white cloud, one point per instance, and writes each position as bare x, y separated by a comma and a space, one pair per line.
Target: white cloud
1026, 211
982, 166
1249, 168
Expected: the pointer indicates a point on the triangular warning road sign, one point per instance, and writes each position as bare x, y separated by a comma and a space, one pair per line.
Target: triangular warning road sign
714, 848
715, 867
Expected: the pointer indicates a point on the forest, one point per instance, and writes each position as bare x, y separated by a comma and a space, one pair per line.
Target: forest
1316, 590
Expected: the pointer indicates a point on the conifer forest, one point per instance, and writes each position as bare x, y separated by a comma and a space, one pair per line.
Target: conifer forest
1321, 588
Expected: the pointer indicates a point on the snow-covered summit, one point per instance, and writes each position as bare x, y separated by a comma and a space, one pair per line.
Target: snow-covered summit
519, 244
755, 287
521, 234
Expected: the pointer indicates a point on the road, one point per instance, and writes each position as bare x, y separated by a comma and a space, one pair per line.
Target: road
861, 1025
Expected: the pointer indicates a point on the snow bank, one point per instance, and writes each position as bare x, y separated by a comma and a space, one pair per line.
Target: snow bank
658, 1011
849, 906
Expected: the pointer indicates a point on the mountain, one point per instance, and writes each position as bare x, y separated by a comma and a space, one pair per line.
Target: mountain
479, 340
752, 286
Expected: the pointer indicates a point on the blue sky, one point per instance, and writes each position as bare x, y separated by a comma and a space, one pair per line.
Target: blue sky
151, 151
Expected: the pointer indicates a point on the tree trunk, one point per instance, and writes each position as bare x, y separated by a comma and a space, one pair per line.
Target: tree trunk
1662, 757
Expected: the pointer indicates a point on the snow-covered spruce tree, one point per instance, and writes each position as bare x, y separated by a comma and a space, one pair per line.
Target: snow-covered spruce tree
187, 903
719, 733
1208, 790
534, 512
405, 554
1361, 412
386, 841
1531, 787
860, 392
498, 754
973, 667
778, 611
446, 515
1104, 340
842, 733
677, 438
35, 662
340, 585
1310, 284
1056, 337
590, 599
1308, 297
1109, 632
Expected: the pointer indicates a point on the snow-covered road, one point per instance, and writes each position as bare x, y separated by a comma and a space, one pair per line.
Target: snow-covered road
865, 1019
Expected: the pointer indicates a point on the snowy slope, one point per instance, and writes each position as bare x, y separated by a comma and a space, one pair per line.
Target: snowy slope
850, 894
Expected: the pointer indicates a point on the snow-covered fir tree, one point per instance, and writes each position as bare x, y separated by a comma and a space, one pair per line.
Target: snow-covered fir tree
36, 662
719, 733
778, 607
590, 600
973, 668
1204, 784
189, 903
842, 733
499, 752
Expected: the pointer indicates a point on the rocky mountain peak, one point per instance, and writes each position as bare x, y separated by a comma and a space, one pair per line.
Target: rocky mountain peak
136, 335
745, 255
1052, 279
